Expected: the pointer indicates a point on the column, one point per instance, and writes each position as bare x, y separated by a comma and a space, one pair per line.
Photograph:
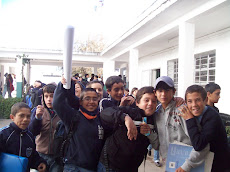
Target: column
133, 68
108, 69
95, 70
185, 57
2, 77
27, 72
19, 75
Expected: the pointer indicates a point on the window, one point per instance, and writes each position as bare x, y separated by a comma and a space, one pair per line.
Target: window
172, 70
205, 64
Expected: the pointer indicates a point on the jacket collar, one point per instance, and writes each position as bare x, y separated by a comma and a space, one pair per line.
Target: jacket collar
16, 128
115, 102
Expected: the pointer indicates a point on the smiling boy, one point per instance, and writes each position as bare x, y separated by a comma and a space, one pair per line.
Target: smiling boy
115, 89
172, 127
205, 127
121, 152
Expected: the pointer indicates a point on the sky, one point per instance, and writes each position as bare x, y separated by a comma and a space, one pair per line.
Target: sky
40, 24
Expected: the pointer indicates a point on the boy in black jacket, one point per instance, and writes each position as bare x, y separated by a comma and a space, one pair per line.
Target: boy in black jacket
18, 140
126, 146
205, 127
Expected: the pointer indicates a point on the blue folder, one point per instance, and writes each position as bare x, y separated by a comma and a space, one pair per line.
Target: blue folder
12, 163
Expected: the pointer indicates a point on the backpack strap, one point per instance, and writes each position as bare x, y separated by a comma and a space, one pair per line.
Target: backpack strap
70, 133
106, 157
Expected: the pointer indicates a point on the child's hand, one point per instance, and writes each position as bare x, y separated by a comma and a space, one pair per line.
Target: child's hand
42, 167
180, 170
39, 111
144, 129
179, 101
127, 100
185, 112
74, 79
63, 80
131, 127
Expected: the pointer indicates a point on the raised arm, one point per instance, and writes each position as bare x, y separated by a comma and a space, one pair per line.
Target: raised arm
36, 120
61, 106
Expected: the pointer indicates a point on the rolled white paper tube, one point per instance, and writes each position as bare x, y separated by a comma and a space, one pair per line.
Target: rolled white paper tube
67, 55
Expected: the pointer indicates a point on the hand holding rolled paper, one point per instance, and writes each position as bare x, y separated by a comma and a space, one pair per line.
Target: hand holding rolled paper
67, 53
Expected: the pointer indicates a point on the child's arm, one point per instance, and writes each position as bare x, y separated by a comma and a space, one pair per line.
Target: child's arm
2, 142
38, 162
36, 120
153, 136
112, 117
60, 105
196, 158
42, 167
127, 101
201, 136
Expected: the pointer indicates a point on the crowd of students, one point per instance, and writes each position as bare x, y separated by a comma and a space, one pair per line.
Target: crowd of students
113, 130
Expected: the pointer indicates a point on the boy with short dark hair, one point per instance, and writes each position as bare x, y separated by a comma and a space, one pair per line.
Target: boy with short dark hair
115, 89
172, 127
43, 125
18, 140
205, 127
213, 94
121, 152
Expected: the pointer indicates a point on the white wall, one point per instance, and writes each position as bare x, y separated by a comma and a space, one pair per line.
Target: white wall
219, 42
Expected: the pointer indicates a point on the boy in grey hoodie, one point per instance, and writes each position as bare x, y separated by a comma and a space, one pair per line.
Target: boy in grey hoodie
172, 127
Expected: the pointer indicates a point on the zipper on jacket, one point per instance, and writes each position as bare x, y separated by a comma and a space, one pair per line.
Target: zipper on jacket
50, 133
20, 150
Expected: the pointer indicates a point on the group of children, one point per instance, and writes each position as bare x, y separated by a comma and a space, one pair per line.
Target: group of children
112, 134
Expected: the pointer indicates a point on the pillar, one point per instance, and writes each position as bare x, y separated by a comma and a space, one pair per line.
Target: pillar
133, 68
108, 69
186, 57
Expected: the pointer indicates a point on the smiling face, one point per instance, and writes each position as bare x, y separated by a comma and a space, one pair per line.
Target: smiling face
77, 90
90, 101
21, 118
195, 103
148, 103
48, 99
117, 91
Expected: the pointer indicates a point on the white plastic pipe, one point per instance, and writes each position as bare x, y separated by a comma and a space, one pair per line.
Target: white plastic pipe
67, 54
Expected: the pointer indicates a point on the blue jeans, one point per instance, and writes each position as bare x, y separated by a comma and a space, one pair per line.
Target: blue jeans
101, 168
156, 155
4, 90
74, 168
53, 166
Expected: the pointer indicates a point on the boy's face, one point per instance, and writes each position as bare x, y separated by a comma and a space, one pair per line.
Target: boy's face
22, 118
90, 101
117, 91
99, 89
148, 103
164, 96
48, 98
195, 103
214, 97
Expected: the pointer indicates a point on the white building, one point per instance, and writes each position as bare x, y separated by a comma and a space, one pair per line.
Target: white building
188, 40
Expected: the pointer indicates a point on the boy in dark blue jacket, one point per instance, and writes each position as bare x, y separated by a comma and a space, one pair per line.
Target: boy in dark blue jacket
205, 127
115, 89
18, 140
